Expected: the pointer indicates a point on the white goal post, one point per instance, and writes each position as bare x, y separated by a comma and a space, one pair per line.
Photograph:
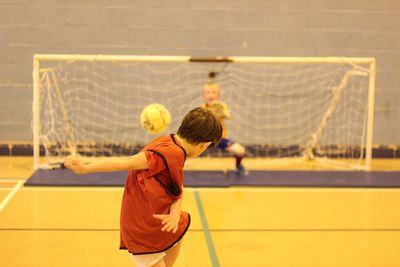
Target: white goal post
318, 109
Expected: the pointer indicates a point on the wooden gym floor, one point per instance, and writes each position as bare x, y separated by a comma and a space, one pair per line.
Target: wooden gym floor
259, 226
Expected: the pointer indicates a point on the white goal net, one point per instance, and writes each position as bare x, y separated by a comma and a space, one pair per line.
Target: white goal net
283, 110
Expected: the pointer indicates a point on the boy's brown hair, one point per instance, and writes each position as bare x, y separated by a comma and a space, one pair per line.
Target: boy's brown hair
199, 126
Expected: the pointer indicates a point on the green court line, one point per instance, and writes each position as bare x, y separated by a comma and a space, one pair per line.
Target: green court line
210, 243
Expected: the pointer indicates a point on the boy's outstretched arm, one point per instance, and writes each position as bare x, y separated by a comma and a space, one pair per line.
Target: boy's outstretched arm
136, 162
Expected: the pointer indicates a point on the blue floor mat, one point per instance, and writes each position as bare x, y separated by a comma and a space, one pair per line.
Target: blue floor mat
317, 179
65, 177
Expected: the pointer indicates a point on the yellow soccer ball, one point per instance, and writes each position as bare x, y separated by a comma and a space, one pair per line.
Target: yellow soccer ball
155, 118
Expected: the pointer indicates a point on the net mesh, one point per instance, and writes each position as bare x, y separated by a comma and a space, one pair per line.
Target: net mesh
307, 111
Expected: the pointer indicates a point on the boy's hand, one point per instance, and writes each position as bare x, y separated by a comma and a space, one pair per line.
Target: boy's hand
169, 221
75, 165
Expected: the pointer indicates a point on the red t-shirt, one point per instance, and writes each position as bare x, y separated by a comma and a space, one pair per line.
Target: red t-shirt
146, 194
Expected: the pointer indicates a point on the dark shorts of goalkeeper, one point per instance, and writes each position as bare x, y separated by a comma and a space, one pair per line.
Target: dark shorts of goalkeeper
224, 143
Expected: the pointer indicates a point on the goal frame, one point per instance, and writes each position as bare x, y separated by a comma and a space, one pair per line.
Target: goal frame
37, 58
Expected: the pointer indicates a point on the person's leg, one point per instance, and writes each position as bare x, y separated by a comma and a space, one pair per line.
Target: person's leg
238, 151
172, 254
160, 263
149, 260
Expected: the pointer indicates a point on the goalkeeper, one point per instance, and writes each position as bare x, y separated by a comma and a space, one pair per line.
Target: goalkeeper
211, 96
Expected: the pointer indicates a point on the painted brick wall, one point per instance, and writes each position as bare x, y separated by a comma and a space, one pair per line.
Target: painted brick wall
198, 28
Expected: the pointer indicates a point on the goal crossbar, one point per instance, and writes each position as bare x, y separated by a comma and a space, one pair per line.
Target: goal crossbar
150, 58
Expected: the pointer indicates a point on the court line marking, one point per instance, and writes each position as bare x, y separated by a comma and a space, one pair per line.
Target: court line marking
11, 180
71, 188
310, 230
211, 189
210, 244
4, 182
72, 229
210, 230
11, 194
287, 189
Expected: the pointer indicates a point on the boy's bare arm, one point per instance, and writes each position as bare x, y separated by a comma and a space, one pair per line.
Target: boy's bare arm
170, 222
176, 206
136, 162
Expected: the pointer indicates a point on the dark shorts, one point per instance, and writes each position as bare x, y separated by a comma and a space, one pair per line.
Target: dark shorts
224, 143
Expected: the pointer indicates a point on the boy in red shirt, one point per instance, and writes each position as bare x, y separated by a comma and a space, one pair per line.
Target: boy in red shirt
152, 223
